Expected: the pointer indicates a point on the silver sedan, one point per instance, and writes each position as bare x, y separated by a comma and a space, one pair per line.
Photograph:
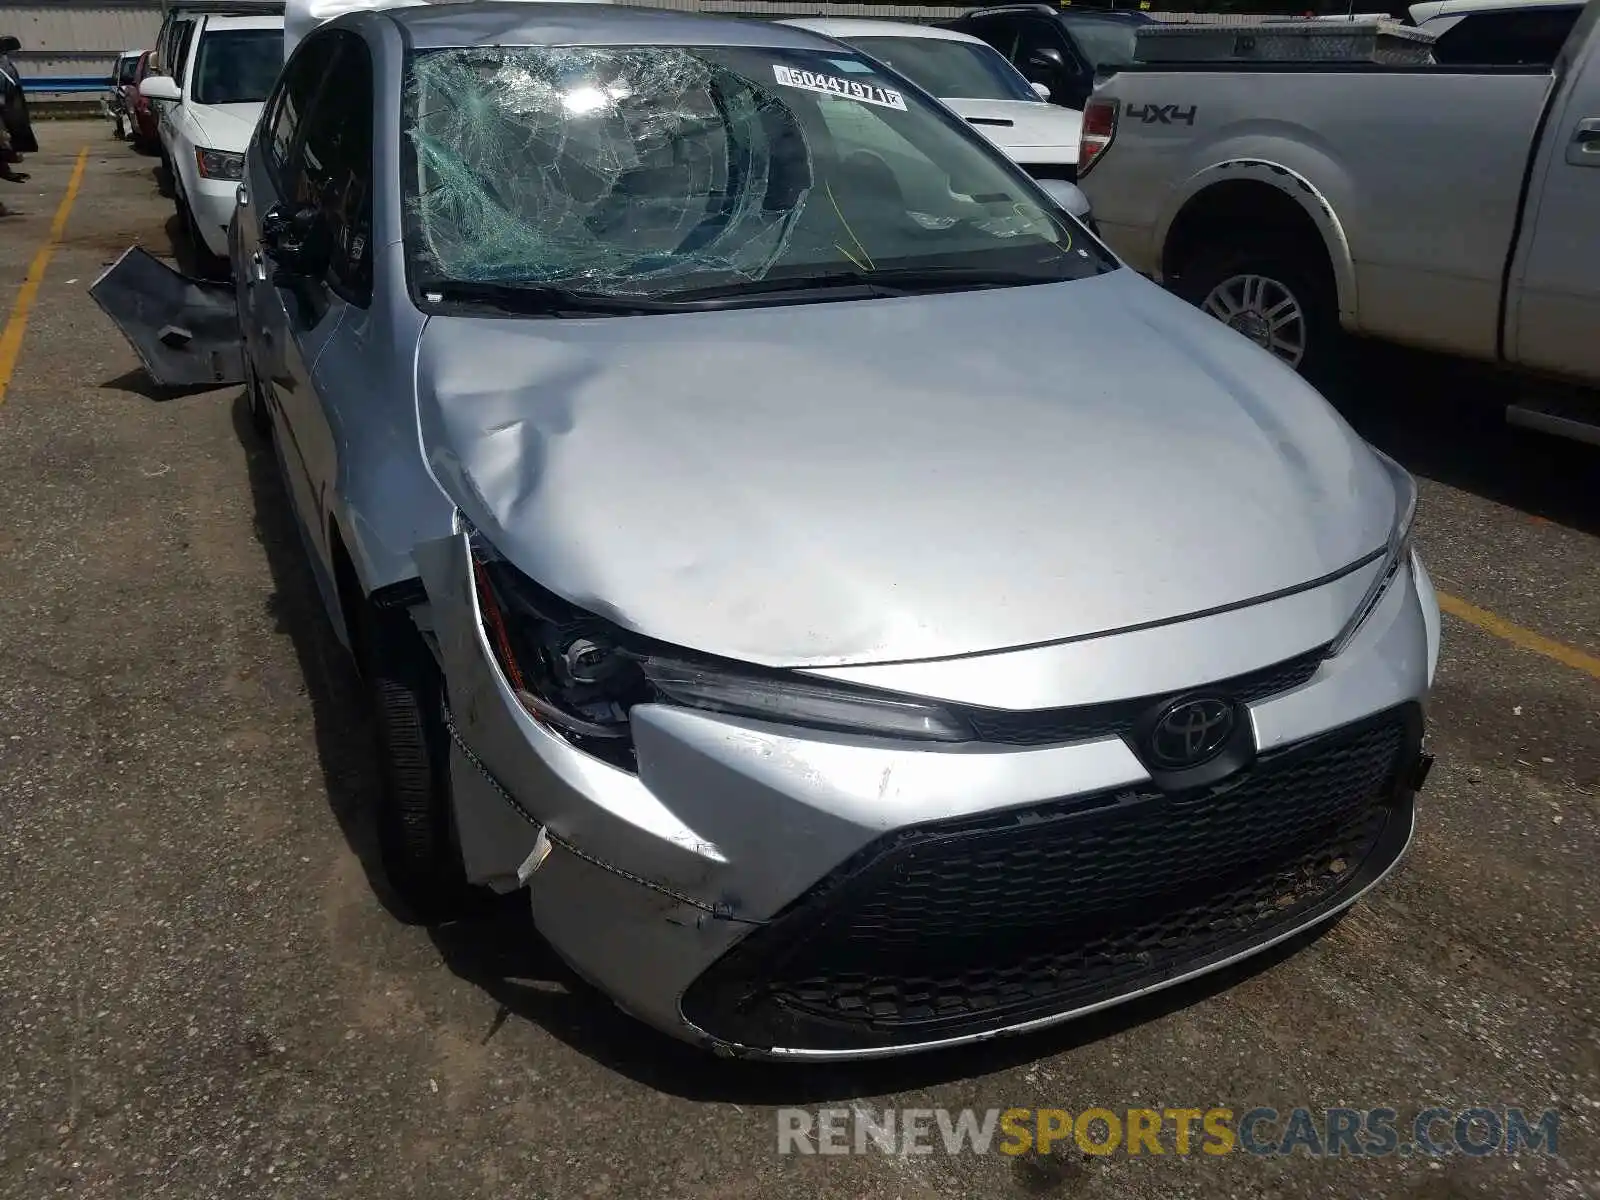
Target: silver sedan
662, 403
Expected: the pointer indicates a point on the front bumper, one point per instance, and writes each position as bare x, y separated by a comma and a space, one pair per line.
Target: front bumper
765, 892
213, 202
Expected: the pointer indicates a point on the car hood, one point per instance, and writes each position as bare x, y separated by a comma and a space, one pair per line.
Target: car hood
907, 478
1038, 126
225, 126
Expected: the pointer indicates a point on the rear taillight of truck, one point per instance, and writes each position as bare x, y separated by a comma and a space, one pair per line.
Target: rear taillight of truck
1099, 127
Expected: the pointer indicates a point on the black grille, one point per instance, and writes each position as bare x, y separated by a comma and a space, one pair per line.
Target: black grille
1049, 726
1067, 171
967, 926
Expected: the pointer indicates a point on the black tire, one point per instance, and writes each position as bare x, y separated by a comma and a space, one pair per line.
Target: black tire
207, 264
1299, 270
260, 414
415, 826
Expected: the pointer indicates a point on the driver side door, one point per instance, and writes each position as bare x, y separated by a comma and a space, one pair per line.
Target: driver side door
1044, 54
287, 313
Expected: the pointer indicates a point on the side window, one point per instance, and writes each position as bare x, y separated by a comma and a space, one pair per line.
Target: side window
167, 50
1506, 39
183, 38
1044, 54
999, 32
334, 167
296, 90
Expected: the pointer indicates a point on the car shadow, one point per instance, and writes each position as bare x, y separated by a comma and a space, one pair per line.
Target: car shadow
139, 383
1444, 420
343, 730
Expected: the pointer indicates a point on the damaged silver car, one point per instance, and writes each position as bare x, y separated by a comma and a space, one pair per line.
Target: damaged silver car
837, 679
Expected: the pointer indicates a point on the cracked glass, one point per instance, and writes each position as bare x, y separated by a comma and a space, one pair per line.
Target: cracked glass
645, 171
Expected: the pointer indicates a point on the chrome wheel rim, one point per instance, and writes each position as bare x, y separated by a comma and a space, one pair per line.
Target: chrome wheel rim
1264, 310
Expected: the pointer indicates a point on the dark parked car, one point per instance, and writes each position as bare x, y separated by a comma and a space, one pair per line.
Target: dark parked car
1065, 51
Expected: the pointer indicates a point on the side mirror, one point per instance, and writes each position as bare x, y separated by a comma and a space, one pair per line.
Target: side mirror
160, 87
1041, 90
1068, 196
296, 240
1046, 58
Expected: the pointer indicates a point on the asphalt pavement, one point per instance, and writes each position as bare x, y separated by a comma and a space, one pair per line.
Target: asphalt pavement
205, 992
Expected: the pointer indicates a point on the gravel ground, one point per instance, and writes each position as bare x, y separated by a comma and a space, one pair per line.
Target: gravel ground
203, 991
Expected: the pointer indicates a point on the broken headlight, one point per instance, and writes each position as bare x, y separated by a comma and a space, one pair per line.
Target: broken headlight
1396, 556
579, 675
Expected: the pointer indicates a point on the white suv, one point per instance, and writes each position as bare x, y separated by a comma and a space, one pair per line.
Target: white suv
221, 73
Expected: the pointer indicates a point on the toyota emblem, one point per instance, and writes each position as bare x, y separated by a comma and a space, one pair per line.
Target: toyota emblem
1191, 732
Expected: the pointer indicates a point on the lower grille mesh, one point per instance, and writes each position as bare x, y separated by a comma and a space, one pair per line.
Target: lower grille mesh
979, 924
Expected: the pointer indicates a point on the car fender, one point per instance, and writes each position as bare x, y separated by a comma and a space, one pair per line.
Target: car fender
1292, 183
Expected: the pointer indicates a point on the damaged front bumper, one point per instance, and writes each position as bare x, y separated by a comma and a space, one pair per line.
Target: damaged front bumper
778, 893
185, 331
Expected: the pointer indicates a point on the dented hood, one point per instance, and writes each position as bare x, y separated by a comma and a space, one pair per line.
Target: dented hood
896, 479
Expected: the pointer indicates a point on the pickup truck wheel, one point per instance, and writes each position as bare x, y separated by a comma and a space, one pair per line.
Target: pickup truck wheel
1273, 294
416, 830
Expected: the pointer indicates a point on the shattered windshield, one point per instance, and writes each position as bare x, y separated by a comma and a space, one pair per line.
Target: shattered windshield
652, 171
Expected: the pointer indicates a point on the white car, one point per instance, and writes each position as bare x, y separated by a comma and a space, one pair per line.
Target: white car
1436, 16
222, 71
975, 80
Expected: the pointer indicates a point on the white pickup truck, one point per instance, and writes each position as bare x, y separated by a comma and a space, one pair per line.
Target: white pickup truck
1451, 206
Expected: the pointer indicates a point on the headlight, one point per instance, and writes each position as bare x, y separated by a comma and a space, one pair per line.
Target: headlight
1396, 556
580, 675
219, 164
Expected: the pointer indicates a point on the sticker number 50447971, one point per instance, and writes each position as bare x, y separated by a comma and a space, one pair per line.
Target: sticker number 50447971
833, 85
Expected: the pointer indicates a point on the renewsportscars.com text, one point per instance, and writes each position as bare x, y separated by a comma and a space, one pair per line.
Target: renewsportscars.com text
1327, 1132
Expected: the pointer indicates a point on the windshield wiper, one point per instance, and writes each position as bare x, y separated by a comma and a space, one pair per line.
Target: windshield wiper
537, 299
892, 281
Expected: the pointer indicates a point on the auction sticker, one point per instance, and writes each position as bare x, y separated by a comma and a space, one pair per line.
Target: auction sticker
833, 85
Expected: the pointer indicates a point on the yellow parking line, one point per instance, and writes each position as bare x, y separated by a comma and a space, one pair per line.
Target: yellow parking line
1527, 639
17, 323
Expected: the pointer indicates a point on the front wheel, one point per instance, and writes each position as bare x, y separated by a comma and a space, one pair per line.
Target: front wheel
416, 828
256, 399
1274, 293
207, 264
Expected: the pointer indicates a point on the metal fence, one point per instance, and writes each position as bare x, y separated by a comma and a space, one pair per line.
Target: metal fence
67, 41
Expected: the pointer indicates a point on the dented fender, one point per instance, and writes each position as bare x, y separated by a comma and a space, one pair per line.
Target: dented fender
512, 777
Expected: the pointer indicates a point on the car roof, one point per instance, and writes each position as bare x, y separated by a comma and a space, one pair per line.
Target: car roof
1044, 10
1107, 14
228, 21
1434, 9
849, 27
442, 26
